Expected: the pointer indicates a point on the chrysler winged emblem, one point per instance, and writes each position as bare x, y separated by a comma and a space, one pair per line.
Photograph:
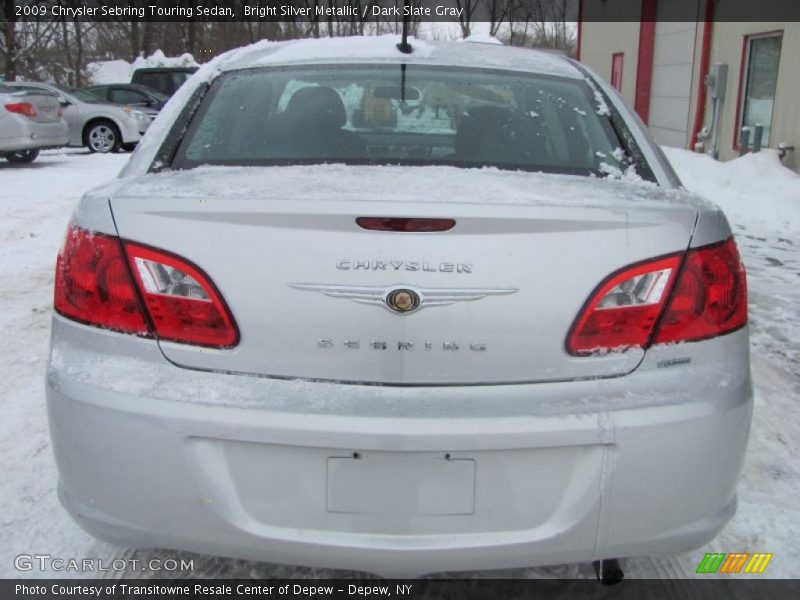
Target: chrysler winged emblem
401, 298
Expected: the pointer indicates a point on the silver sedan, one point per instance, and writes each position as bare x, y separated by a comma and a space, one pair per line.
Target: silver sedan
29, 122
97, 125
401, 313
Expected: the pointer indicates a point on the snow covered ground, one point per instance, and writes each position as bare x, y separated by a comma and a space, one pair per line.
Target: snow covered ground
762, 201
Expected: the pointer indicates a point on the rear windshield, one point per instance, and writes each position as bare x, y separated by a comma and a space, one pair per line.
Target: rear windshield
393, 115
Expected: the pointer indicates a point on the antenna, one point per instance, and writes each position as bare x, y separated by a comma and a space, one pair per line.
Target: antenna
404, 46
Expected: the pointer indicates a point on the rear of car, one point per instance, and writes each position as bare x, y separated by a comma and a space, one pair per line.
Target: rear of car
401, 316
29, 122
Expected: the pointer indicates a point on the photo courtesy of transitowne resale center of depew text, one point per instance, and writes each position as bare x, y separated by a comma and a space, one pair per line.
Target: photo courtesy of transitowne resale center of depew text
400, 299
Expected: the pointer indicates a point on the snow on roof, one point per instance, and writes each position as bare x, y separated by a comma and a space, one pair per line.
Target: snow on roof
381, 49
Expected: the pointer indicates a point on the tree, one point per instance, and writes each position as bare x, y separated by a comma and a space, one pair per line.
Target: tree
466, 13
21, 40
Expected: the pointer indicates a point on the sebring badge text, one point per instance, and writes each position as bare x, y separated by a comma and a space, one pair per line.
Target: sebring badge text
401, 346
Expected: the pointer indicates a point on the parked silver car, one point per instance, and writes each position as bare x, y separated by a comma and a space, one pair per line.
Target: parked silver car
29, 122
140, 97
100, 126
400, 313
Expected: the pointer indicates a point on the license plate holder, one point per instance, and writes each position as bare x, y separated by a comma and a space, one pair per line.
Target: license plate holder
392, 484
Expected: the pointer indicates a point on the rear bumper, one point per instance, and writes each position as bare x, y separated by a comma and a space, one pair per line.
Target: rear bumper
31, 135
151, 455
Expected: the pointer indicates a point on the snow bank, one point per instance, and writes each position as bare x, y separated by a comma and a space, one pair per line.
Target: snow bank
120, 71
756, 191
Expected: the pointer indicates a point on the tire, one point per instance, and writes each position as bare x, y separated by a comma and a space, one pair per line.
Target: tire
102, 137
21, 156
129, 147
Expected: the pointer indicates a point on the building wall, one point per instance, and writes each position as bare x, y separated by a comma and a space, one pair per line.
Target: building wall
726, 47
671, 86
602, 37
600, 41
604, 33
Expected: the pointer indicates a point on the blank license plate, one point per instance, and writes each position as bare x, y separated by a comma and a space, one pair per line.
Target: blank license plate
392, 484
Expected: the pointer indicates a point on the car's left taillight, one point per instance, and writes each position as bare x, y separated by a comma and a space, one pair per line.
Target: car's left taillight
127, 287
93, 284
22, 108
183, 303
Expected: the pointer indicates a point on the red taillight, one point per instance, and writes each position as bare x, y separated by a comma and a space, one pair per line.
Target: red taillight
183, 304
710, 297
93, 284
623, 310
706, 297
22, 108
405, 224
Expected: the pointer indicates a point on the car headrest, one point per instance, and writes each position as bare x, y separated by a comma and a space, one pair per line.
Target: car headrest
318, 105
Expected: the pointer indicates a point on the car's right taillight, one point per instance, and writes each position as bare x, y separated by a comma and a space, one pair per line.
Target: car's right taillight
22, 108
710, 296
130, 288
664, 300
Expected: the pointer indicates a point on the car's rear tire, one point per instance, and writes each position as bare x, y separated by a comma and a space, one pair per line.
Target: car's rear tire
21, 156
102, 137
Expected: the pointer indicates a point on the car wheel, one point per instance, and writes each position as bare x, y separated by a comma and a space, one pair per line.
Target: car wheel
22, 156
103, 137
129, 147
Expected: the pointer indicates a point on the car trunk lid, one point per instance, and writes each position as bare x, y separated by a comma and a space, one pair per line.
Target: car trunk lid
307, 285
46, 105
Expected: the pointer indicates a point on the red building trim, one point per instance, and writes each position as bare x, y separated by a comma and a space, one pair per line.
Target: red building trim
705, 60
644, 65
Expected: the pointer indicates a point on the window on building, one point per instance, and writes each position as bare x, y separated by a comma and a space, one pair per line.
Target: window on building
616, 70
762, 55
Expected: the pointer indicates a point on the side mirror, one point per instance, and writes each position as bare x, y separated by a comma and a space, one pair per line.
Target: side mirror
63, 101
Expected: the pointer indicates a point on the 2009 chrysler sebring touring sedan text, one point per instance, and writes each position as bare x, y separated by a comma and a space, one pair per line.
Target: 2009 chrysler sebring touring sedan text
401, 313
